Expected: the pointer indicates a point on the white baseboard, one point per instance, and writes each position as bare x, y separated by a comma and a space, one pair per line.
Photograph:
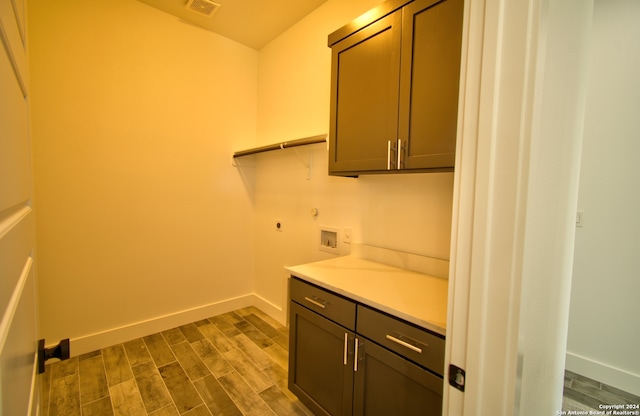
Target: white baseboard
614, 377
98, 340
270, 309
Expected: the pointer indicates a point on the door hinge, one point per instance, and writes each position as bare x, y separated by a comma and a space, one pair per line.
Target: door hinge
456, 377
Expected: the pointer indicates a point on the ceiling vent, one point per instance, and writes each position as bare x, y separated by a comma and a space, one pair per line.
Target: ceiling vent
203, 7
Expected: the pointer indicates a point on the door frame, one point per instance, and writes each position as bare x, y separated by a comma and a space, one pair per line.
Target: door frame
515, 198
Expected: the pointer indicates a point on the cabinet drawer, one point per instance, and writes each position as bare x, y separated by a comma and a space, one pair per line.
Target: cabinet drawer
328, 304
416, 344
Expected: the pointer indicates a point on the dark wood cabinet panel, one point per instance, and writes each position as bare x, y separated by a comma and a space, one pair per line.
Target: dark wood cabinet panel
418, 345
365, 74
430, 83
320, 369
394, 90
323, 372
387, 384
330, 305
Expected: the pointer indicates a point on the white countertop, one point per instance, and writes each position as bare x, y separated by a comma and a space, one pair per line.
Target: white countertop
415, 297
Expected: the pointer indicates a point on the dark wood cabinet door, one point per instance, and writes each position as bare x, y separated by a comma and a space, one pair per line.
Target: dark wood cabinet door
387, 384
431, 50
365, 70
320, 362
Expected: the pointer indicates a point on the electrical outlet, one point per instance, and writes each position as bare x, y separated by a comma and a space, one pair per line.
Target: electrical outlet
580, 218
346, 235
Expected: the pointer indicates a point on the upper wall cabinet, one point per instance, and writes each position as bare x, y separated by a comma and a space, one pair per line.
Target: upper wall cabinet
394, 89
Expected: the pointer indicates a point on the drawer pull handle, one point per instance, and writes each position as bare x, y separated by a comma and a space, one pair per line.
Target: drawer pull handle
355, 356
404, 344
344, 360
315, 302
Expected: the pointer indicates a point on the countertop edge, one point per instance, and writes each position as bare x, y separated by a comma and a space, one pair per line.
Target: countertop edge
431, 326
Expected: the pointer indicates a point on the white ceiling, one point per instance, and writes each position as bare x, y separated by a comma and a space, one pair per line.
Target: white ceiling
251, 22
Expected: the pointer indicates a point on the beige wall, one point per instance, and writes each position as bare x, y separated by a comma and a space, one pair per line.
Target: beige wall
134, 118
140, 213
403, 212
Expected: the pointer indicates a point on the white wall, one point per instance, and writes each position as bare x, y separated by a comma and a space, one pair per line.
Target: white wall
140, 214
603, 330
403, 212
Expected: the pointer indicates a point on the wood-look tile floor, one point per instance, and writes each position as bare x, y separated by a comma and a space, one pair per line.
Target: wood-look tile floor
584, 394
231, 364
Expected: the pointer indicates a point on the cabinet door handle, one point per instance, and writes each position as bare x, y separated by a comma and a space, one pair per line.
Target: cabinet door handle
398, 153
355, 357
315, 302
346, 340
404, 344
388, 154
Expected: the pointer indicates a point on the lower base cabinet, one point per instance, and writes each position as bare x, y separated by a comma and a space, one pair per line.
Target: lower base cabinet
318, 375
334, 370
387, 384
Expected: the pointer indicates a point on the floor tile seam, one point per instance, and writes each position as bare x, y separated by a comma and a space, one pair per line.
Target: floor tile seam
184, 335
268, 318
47, 412
259, 330
194, 380
164, 364
135, 381
276, 362
248, 358
252, 340
129, 358
168, 345
190, 382
239, 350
218, 377
258, 365
156, 368
602, 395
160, 408
267, 403
261, 371
573, 404
106, 380
204, 403
98, 399
596, 385
77, 372
190, 344
213, 344
239, 405
586, 381
153, 360
623, 394
126, 356
228, 393
270, 338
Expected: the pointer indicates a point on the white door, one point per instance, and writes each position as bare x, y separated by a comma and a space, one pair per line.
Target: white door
18, 296
515, 201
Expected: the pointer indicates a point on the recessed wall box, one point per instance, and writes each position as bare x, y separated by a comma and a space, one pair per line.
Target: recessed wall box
329, 237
